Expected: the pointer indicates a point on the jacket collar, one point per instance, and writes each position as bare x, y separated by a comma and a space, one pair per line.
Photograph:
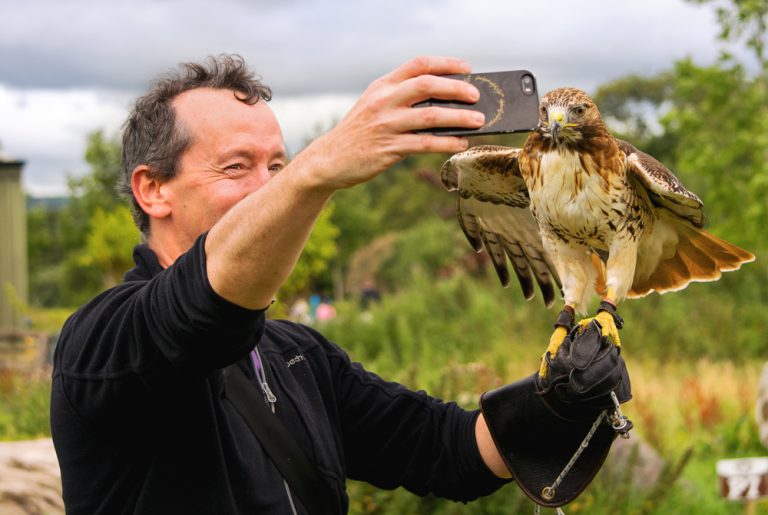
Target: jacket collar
147, 265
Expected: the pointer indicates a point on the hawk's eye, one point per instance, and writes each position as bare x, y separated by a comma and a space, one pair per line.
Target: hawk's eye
543, 113
579, 110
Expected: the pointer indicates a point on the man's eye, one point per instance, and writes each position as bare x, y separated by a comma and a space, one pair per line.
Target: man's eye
236, 166
276, 167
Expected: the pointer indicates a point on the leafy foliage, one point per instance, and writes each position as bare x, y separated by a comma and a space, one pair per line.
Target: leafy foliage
744, 19
719, 121
315, 257
110, 243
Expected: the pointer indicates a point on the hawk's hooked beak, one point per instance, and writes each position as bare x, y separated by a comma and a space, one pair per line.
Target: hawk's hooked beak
554, 130
556, 123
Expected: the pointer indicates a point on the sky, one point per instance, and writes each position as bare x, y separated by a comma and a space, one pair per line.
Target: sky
71, 67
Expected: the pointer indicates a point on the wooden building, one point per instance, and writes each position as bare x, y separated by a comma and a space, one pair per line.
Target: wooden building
13, 244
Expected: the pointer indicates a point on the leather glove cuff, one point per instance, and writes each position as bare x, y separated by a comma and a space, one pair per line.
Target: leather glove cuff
536, 443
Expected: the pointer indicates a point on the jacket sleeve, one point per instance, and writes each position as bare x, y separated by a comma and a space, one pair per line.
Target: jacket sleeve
397, 437
173, 322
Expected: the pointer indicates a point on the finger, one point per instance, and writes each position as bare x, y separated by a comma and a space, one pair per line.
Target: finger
428, 143
424, 87
428, 65
419, 118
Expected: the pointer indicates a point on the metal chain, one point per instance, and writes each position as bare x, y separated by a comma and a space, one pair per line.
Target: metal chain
618, 422
548, 492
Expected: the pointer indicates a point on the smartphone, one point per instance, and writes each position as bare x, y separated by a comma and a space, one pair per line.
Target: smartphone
509, 100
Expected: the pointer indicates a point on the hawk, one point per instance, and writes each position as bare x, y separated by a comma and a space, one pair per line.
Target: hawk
581, 211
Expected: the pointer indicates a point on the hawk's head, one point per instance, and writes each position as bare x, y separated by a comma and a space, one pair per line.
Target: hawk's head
567, 116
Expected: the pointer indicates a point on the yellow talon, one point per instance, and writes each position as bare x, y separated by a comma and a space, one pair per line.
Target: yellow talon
607, 325
555, 341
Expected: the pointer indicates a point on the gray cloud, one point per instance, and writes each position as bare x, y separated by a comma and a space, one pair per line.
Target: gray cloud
308, 50
333, 46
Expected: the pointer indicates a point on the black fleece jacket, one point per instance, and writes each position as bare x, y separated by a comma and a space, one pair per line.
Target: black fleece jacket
141, 424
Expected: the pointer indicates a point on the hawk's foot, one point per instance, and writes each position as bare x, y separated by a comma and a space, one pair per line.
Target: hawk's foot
563, 325
610, 322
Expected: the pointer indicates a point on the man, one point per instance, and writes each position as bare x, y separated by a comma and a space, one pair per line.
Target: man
140, 412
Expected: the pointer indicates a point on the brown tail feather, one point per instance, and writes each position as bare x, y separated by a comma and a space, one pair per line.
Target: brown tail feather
699, 256
726, 255
673, 276
699, 263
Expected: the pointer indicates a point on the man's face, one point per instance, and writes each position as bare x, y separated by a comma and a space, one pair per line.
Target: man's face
235, 148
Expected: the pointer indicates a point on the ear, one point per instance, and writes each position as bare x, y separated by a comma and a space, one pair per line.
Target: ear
149, 193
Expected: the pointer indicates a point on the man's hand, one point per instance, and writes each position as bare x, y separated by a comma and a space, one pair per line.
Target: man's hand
379, 130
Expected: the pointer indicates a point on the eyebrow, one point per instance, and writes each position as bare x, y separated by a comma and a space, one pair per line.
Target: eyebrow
245, 153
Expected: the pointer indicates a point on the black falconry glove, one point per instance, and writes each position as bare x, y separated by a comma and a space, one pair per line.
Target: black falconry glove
539, 422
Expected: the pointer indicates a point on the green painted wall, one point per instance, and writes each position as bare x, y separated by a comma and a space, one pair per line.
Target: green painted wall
13, 242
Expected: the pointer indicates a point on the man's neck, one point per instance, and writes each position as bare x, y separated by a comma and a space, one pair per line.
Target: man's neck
167, 250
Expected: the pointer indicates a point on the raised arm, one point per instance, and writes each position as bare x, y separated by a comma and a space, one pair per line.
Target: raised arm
255, 246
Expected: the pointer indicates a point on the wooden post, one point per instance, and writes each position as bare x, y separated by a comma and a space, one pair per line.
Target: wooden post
13, 242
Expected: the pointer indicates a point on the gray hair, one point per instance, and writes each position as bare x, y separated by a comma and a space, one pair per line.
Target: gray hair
151, 135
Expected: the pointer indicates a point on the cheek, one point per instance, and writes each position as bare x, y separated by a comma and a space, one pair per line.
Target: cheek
226, 197
204, 206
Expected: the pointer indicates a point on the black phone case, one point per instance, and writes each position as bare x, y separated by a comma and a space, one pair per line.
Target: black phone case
509, 100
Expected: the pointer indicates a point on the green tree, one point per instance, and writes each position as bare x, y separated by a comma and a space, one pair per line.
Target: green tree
46, 253
89, 195
746, 19
62, 272
315, 258
719, 121
109, 244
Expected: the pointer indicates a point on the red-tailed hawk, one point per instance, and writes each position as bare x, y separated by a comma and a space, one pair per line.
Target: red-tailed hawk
580, 210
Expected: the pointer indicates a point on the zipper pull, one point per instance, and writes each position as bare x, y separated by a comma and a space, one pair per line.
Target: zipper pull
270, 396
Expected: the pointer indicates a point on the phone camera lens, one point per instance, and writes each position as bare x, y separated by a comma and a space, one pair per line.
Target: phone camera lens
527, 84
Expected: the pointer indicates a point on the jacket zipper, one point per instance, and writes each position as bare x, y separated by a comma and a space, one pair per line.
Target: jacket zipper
270, 399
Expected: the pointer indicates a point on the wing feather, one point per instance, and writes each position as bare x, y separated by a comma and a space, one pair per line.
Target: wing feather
494, 213
663, 187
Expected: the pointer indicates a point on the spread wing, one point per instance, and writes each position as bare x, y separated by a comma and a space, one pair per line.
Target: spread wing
664, 189
494, 213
